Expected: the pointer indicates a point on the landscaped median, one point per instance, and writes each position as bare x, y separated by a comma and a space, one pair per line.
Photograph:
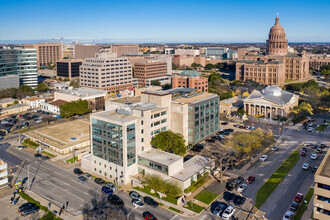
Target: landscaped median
270, 185
206, 196
194, 207
302, 208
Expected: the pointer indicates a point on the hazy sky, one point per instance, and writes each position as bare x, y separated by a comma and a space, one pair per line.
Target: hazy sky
164, 21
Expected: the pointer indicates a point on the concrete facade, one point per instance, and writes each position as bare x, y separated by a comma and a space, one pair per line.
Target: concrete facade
33, 102
10, 81
85, 50
106, 71
186, 61
3, 174
53, 107
123, 49
318, 60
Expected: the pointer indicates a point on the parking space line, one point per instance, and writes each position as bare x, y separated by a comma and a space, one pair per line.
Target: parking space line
173, 217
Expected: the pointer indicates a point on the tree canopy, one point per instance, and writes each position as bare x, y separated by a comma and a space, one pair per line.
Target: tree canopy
41, 87
78, 107
170, 141
168, 187
301, 111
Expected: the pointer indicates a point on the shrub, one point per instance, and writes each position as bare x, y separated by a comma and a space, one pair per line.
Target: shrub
168, 187
201, 180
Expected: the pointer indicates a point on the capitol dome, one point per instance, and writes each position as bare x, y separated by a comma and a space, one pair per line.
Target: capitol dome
277, 44
272, 90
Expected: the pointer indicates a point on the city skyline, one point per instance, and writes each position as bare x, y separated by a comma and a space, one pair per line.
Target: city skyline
161, 22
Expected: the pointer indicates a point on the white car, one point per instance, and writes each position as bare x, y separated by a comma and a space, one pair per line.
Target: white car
135, 195
314, 156
288, 215
274, 148
263, 157
310, 124
310, 129
241, 187
305, 166
229, 211
137, 203
308, 143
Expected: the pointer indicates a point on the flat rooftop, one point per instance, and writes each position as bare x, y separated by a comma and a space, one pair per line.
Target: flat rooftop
196, 98
33, 98
112, 115
159, 156
325, 166
192, 166
64, 135
127, 100
83, 92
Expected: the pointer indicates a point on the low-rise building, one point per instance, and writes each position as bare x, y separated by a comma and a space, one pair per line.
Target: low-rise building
14, 109
68, 68
34, 101
322, 190
3, 174
6, 101
95, 97
186, 60
231, 105
53, 106
318, 60
190, 79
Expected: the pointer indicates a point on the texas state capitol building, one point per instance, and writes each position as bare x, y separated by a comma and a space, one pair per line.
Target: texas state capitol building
274, 66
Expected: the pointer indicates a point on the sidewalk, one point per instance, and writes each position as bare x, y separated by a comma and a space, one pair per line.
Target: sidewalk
308, 212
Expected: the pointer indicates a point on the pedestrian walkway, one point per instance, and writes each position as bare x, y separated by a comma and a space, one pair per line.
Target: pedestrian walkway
308, 213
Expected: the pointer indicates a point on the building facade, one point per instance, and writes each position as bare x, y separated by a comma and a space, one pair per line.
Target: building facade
10, 81
106, 71
270, 102
318, 60
322, 190
82, 51
190, 79
189, 52
53, 107
268, 67
186, 61
68, 68
33, 102
3, 174
149, 69
123, 49
46, 53
16, 61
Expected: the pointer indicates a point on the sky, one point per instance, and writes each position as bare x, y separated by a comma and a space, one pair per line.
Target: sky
159, 21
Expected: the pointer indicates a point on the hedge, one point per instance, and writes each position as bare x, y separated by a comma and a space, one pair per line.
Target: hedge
196, 184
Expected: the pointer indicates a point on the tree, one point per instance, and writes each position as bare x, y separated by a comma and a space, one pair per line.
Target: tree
74, 83
24, 91
170, 141
155, 83
301, 111
157, 182
210, 66
194, 65
166, 86
78, 107
220, 66
41, 87
245, 94
241, 111
174, 67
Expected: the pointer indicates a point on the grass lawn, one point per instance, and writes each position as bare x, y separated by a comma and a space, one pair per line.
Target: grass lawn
321, 128
30, 143
301, 208
175, 210
48, 154
147, 190
194, 207
206, 196
71, 160
271, 184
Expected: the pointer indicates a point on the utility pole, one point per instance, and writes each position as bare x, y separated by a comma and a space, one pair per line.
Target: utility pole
28, 169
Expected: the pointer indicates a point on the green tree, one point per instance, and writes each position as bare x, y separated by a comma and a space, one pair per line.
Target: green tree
41, 87
155, 83
210, 66
241, 111
24, 91
194, 65
73, 108
15, 102
74, 83
157, 182
174, 67
301, 111
220, 66
166, 86
170, 141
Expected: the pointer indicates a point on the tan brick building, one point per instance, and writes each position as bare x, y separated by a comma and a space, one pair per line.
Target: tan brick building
318, 60
122, 49
184, 60
276, 65
46, 53
85, 50
190, 79
149, 69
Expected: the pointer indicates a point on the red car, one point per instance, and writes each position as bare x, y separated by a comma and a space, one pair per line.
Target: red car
299, 197
303, 153
149, 216
251, 179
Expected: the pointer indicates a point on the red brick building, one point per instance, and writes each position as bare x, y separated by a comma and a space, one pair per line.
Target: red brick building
190, 79
149, 69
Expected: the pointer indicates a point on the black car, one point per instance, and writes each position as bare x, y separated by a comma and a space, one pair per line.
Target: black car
224, 123
210, 140
314, 169
78, 171
294, 206
230, 186
45, 158
228, 196
27, 205
187, 157
150, 201
239, 200
197, 149
116, 201
38, 155
239, 180
30, 210
100, 181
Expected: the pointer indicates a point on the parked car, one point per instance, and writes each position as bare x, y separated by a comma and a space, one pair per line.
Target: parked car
251, 179
318, 150
220, 208
315, 169
239, 200
100, 181
88, 176
20, 147
29, 211
299, 197
82, 179
274, 148
224, 123
197, 148
239, 180
38, 155
137, 203
46, 158
187, 157
111, 186
230, 186
294, 206
150, 201
314, 156
263, 158
322, 145
303, 153
78, 171
241, 187
310, 129
288, 215
304, 148
135, 195
252, 128
107, 190
229, 211
148, 216
211, 140
305, 166
27, 205
228, 196
116, 201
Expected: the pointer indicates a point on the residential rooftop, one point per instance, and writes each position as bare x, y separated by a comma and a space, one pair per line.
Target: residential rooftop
196, 98
160, 157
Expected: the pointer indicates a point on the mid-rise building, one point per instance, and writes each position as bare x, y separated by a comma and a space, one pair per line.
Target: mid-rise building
106, 71
322, 190
47, 53
68, 68
318, 60
149, 69
186, 61
274, 66
121, 135
123, 49
189, 52
10, 81
169, 51
190, 79
217, 52
3, 174
17, 61
85, 50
